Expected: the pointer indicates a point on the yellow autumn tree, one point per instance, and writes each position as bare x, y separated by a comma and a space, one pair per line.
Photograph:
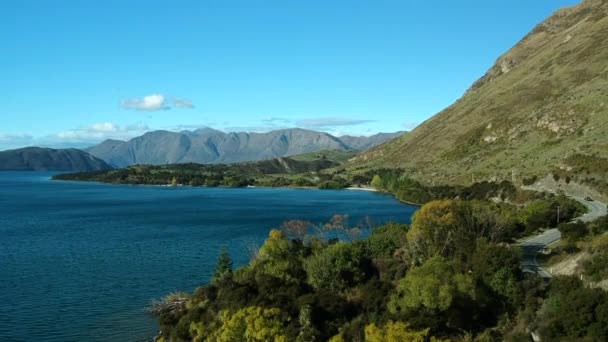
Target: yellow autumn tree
251, 324
394, 332
276, 258
434, 230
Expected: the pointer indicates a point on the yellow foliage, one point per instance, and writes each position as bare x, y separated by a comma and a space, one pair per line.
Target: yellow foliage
251, 324
433, 229
275, 257
394, 332
197, 331
337, 338
276, 234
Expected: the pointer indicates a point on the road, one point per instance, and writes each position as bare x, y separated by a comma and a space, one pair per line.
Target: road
596, 209
532, 246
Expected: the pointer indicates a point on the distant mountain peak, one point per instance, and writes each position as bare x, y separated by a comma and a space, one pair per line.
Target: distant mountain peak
49, 159
207, 145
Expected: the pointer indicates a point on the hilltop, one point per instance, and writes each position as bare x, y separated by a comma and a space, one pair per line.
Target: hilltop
541, 109
47, 159
210, 146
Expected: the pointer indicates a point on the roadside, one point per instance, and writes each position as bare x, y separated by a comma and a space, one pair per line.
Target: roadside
532, 246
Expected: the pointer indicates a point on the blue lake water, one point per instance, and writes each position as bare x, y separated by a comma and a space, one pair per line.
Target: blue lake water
81, 261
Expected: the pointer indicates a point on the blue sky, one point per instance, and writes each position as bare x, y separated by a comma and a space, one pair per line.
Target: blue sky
73, 73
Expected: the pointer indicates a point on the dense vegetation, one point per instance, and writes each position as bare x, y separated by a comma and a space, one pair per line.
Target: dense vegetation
525, 211
451, 275
302, 171
589, 240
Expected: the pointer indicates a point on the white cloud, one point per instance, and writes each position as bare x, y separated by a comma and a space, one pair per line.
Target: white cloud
98, 132
182, 103
155, 102
329, 123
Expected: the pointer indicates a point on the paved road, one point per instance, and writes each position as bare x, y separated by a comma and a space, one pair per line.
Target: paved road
532, 246
596, 209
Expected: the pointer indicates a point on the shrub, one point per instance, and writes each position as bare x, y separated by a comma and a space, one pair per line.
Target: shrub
573, 231
337, 267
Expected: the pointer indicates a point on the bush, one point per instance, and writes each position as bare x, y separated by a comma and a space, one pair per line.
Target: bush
385, 240
596, 267
573, 231
573, 312
337, 267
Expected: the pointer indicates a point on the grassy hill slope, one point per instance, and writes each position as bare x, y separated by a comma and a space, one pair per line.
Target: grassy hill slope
542, 108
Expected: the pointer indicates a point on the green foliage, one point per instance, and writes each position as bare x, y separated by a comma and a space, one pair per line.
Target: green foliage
498, 267
337, 267
435, 285
278, 172
377, 183
251, 324
573, 312
278, 257
450, 272
385, 240
223, 267
544, 213
596, 267
449, 228
573, 231
407, 189
394, 332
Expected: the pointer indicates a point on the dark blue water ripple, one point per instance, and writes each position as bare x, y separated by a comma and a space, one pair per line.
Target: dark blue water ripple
80, 261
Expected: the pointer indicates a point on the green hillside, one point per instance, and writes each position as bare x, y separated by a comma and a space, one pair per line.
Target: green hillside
542, 108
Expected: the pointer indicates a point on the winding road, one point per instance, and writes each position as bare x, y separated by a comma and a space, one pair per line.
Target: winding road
532, 246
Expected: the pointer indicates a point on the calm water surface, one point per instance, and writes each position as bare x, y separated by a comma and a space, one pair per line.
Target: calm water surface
80, 261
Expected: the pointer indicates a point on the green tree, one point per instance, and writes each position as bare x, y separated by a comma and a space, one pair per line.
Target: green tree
573, 231
336, 267
498, 267
573, 312
385, 240
434, 285
377, 183
307, 330
223, 267
279, 257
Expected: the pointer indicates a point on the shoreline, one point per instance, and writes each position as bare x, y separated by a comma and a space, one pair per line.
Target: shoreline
350, 188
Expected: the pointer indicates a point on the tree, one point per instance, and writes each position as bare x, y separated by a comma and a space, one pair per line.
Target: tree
296, 229
377, 183
434, 286
395, 332
307, 331
573, 312
573, 231
537, 215
278, 257
385, 240
336, 267
434, 230
251, 324
223, 267
498, 267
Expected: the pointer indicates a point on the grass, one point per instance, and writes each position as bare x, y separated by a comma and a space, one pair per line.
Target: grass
551, 105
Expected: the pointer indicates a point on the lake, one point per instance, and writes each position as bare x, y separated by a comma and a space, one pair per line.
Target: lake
80, 261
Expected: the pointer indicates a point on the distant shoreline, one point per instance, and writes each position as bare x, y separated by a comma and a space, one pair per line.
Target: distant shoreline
356, 188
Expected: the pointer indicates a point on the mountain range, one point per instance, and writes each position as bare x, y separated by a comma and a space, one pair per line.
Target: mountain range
47, 159
210, 146
541, 109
